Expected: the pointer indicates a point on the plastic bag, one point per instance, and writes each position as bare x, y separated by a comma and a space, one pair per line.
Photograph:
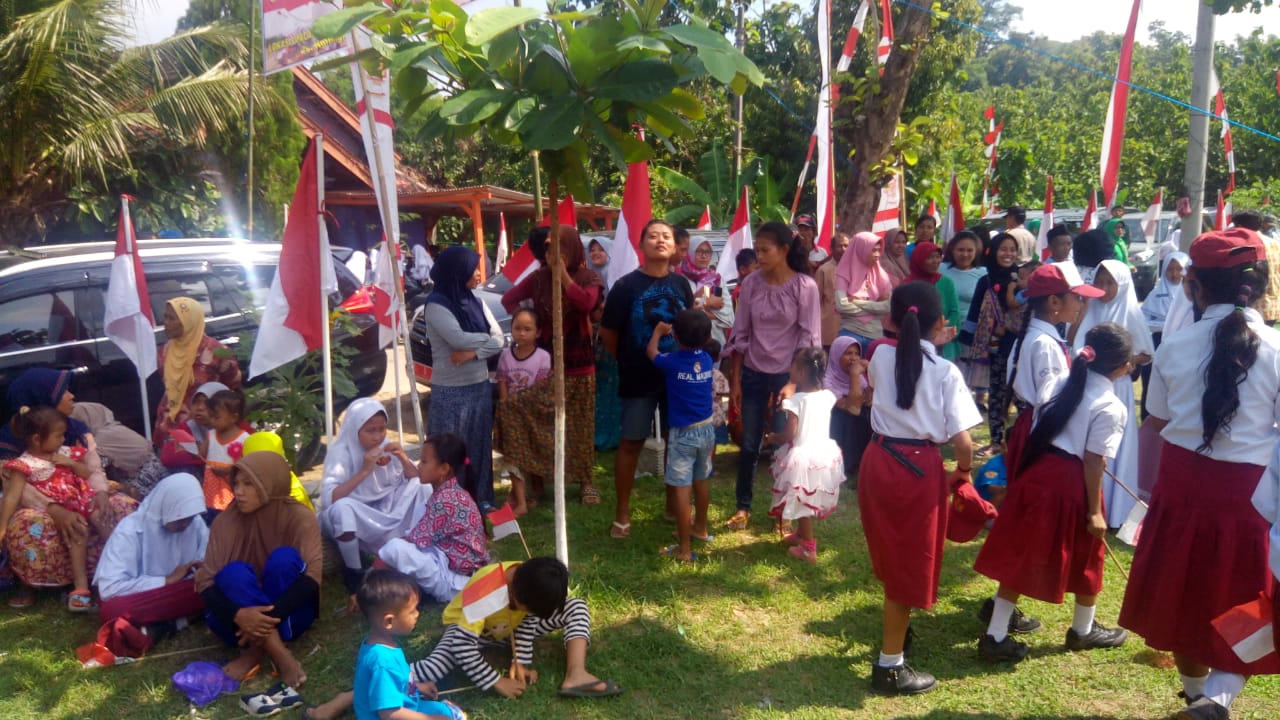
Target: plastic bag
203, 681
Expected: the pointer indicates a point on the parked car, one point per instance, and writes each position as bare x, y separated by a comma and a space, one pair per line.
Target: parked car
52, 301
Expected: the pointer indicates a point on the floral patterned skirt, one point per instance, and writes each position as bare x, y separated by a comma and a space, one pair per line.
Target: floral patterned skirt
39, 556
526, 428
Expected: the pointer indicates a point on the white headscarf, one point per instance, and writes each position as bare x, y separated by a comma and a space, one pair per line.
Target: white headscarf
603, 269
1123, 310
1156, 307
141, 548
346, 457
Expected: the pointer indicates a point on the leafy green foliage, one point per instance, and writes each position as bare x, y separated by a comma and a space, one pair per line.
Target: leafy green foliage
719, 190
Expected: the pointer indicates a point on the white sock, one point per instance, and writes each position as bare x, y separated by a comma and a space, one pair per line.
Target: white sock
890, 660
350, 550
998, 628
1223, 687
1082, 623
1193, 686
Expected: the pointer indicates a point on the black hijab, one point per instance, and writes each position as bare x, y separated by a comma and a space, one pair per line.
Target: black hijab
451, 273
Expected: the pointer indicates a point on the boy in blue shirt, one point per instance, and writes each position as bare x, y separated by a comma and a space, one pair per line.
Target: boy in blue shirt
692, 439
389, 601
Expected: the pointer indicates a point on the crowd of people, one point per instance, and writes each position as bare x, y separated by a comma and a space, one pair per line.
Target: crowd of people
846, 368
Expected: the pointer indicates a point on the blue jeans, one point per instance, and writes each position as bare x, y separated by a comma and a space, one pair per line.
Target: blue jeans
757, 390
240, 583
689, 451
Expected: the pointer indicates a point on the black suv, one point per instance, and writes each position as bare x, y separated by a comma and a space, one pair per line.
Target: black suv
52, 303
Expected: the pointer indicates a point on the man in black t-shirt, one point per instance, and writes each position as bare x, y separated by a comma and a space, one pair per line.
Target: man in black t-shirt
636, 303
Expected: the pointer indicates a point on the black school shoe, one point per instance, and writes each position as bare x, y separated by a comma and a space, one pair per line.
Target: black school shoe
1097, 637
1204, 709
901, 680
1007, 650
1019, 624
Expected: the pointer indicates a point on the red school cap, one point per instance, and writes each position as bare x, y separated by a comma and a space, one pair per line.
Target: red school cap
1227, 248
967, 512
1058, 278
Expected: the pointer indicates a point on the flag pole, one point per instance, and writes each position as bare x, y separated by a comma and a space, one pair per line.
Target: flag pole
325, 343
557, 379
131, 240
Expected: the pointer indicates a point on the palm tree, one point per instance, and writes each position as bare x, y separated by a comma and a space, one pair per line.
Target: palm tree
78, 105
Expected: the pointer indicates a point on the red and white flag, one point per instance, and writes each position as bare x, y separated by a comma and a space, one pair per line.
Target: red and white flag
504, 522
485, 596
886, 34
1228, 147
1117, 110
500, 259
1248, 629
521, 264
566, 213
294, 317
1046, 222
704, 222
1130, 531
128, 320
954, 221
933, 212
804, 173
740, 238
887, 214
637, 209
855, 33
822, 131
1222, 218
1090, 211
1151, 220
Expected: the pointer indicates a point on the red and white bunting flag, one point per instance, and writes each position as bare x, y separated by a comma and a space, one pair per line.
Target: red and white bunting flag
1221, 217
1090, 211
804, 173
885, 47
1228, 146
485, 596
1248, 629
1046, 222
704, 222
128, 320
887, 217
855, 33
500, 258
990, 115
1117, 110
637, 209
739, 239
504, 522
822, 131
293, 319
992, 138
1151, 220
521, 264
954, 221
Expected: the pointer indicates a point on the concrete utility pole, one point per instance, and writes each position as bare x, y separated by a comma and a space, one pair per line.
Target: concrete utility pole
741, 42
1198, 137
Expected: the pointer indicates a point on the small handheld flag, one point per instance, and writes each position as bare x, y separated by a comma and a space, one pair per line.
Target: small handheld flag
504, 524
1247, 629
485, 596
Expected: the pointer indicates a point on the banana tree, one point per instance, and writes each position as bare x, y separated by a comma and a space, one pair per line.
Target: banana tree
719, 190
550, 84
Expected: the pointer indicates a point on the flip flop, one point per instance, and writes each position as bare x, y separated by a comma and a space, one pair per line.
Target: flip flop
610, 689
738, 522
709, 537
671, 550
619, 530
22, 598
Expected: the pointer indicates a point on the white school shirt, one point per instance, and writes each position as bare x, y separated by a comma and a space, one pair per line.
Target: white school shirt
1177, 384
1097, 425
1042, 363
942, 406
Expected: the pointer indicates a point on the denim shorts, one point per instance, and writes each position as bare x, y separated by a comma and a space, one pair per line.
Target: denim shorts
637, 417
689, 454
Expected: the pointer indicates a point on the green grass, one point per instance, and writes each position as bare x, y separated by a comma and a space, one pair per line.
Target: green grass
746, 633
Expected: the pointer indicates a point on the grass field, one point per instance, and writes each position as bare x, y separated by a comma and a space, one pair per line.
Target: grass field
745, 633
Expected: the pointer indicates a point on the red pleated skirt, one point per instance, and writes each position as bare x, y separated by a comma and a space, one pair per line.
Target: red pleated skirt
1015, 442
1203, 550
905, 521
1039, 546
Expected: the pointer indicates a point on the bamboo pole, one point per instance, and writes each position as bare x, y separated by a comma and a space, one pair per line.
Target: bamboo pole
557, 365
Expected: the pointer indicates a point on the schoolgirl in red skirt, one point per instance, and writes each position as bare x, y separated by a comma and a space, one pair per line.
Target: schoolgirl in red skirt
1203, 548
920, 401
1047, 540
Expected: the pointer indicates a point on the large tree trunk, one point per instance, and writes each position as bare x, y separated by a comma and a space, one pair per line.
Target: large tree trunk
869, 128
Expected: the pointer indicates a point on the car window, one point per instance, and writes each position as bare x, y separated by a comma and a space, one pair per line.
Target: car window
165, 288
40, 320
238, 289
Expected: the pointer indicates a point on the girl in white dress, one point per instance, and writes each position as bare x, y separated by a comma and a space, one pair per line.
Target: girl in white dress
371, 492
1119, 304
809, 468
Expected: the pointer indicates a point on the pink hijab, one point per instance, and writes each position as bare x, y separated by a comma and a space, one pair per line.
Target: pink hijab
858, 279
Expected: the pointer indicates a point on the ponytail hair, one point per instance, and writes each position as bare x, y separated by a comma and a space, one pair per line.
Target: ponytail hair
1107, 348
781, 235
452, 451
915, 308
813, 362
1235, 344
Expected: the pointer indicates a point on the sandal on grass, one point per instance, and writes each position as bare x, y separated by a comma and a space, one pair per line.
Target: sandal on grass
705, 539
81, 601
618, 530
673, 552
22, 598
589, 495
739, 521
589, 690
